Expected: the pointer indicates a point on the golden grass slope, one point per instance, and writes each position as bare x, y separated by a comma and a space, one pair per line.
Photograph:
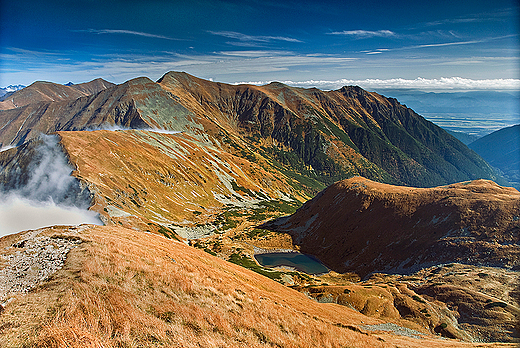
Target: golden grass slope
124, 288
165, 178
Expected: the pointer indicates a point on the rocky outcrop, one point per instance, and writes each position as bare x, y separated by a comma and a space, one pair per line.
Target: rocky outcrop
31, 260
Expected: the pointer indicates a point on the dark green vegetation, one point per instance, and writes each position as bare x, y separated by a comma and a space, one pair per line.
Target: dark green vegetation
246, 262
501, 149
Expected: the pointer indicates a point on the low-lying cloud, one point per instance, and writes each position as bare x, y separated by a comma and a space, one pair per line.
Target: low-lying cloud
42, 193
20, 214
443, 83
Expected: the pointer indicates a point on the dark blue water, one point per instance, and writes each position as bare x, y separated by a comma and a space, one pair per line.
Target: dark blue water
302, 262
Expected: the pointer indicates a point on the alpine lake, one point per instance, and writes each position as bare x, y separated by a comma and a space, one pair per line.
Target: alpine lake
304, 263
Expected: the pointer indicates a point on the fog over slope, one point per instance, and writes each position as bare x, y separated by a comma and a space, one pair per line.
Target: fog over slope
47, 195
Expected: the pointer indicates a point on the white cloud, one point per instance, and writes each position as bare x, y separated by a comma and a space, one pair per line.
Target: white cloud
20, 214
443, 83
50, 195
128, 32
252, 38
363, 34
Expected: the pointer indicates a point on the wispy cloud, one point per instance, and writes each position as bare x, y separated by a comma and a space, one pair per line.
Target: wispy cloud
265, 65
364, 34
498, 15
252, 38
441, 44
127, 32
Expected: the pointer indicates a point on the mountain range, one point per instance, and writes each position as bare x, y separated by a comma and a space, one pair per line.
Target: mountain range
323, 136
226, 169
6, 91
41, 91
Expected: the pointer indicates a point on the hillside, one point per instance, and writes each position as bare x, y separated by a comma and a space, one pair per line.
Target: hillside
361, 226
501, 149
42, 91
315, 137
120, 287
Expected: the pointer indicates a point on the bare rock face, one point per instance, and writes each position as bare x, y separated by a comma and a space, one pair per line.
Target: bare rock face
358, 225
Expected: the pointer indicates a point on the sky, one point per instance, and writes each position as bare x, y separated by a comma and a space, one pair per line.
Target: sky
435, 45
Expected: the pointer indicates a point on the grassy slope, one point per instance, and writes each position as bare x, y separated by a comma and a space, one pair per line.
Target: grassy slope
123, 288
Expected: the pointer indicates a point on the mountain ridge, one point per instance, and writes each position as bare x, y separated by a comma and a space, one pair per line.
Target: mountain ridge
326, 136
43, 91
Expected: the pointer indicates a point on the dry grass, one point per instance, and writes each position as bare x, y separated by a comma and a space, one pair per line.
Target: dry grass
123, 288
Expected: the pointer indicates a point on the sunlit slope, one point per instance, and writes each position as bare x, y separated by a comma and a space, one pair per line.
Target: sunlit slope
166, 178
121, 287
137, 103
42, 91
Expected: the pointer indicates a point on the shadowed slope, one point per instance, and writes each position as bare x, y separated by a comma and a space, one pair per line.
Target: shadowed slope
502, 150
362, 226
333, 135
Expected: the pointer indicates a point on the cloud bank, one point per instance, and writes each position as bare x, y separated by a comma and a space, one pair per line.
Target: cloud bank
48, 195
20, 214
441, 84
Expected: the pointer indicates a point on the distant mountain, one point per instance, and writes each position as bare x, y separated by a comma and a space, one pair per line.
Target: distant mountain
501, 149
464, 137
362, 226
7, 91
42, 91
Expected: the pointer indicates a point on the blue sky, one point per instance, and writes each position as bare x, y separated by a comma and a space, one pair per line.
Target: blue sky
436, 45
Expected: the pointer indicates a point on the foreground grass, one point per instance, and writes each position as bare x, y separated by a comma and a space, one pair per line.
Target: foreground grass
123, 288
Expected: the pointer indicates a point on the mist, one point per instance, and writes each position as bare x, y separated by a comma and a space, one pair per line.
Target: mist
42, 193
20, 214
